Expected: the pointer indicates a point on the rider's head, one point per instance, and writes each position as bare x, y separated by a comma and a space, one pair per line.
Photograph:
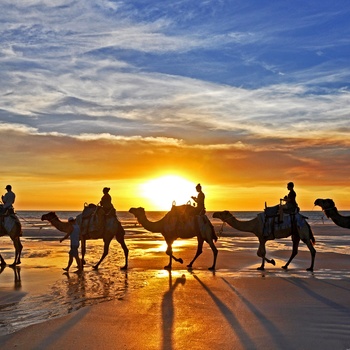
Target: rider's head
8, 187
290, 185
106, 190
199, 187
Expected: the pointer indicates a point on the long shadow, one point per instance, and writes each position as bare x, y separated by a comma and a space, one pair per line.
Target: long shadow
336, 286
232, 320
276, 335
59, 333
334, 305
168, 312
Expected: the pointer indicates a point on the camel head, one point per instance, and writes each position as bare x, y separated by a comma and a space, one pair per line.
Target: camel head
137, 212
222, 215
325, 204
49, 216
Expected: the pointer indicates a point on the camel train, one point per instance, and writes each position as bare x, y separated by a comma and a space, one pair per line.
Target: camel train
179, 222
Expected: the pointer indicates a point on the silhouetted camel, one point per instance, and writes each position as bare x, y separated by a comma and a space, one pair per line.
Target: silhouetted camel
112, 229
176, 224
256, 227
331, 211
11, 226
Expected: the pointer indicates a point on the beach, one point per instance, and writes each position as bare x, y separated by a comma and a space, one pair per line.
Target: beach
147, 307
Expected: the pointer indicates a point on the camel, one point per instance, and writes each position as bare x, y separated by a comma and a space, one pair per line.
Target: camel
112, 229
331, 211
11, 226
256, 226
177, 224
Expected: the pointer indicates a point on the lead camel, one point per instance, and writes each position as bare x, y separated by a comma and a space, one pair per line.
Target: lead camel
256, 227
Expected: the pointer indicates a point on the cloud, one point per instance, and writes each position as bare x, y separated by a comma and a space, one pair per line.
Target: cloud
131, 88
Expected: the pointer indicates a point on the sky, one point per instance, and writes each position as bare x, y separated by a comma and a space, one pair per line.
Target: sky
151, 97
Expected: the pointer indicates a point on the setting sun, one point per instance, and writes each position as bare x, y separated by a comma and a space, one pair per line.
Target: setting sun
165, 190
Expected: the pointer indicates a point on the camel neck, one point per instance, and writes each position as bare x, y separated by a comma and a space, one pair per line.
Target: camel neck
152, 226
245, 226
61, 226
339, 220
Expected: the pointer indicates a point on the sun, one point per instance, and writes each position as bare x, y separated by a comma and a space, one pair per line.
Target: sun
165, 190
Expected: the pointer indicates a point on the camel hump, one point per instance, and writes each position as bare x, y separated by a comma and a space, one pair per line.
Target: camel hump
183, 210
93, 219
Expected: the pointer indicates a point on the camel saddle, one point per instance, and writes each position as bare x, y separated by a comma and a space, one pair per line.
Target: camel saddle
7, 221
93, 220
184, 216
183, 211
274, 219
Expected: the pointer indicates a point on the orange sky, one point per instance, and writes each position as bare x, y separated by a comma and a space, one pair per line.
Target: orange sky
51, 172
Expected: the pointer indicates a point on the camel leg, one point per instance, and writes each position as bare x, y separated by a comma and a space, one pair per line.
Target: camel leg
125, 249
310, 244
296, 240
200, 241
83, 251
313, 254
105, 252
18, 250
20, 247
215, 253
262, 254
169, 252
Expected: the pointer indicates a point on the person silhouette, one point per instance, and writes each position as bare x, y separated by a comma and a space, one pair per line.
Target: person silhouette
106, 202
290, 205
74, 245
200, 210
8, 199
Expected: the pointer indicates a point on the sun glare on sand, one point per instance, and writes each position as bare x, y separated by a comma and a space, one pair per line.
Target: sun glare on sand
165, 190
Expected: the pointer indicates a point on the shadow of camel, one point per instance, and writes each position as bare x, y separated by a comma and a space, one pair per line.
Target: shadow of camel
168, 311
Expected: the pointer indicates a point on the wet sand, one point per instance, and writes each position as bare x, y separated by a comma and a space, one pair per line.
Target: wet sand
236, 307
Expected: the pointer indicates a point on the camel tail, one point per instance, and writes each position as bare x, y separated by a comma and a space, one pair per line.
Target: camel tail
214, 237
120, 231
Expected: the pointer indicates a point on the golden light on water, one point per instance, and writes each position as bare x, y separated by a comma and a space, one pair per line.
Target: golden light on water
178, 243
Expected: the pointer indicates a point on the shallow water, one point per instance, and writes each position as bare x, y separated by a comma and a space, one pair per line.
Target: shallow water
38, 289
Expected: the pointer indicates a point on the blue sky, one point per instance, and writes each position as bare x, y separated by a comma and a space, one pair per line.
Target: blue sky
230, 84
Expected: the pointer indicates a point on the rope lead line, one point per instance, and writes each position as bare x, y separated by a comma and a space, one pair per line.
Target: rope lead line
221, 229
